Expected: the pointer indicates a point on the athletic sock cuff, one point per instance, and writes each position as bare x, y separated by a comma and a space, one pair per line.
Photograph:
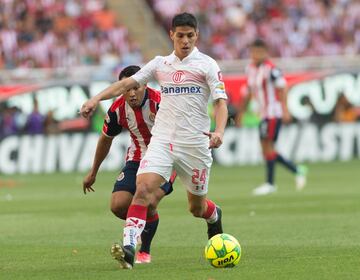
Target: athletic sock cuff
271, 156
211, 207
137, 211
152, 218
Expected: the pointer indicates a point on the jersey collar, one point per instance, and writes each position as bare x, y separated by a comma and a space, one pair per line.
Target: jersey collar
193, 53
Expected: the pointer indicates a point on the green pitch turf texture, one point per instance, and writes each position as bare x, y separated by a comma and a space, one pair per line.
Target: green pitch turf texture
50, 230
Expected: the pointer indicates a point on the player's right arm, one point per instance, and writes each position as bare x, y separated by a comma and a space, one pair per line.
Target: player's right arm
144, 75
116, 89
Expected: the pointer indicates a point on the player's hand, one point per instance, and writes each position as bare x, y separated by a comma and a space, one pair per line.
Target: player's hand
88, 108
89, 180
215, 139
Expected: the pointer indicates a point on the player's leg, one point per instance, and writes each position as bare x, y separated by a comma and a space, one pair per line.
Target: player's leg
120, 202
152, 222
124, 190
155, 168
300, 170
268, 130
269, 154
202, 207
193, 168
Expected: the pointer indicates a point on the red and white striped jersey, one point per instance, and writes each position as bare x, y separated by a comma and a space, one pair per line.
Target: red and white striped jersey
138, 121
264, 82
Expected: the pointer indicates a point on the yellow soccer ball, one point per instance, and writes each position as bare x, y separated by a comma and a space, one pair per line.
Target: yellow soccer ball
223, 250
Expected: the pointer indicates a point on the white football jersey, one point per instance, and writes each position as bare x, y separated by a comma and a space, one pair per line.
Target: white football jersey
185, 86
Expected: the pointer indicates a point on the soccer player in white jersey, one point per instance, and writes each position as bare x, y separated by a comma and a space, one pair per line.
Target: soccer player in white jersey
180, 136
267, 86
135, 113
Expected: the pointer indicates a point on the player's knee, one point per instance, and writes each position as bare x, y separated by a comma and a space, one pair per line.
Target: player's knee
119, 211
143, 192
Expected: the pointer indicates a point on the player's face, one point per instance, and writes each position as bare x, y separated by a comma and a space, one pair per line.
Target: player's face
184, 38
258, 55
135, 96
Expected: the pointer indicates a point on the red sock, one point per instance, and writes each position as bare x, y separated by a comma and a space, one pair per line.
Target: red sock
152, 218
134, 224
137, 211
211, 208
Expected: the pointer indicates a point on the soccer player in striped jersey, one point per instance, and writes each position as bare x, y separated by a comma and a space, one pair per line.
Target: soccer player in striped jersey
134, 112
267, 86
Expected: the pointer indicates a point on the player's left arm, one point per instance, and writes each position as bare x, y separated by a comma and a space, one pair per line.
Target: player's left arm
221, 116
217, 89
281, 88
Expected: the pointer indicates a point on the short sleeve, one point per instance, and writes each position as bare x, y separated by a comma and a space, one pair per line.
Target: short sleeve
147, 72
215, 81
111, 126
277, 78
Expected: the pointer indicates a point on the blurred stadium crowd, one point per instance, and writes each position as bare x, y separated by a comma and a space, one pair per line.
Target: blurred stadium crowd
49, 33
14, 122
292, 28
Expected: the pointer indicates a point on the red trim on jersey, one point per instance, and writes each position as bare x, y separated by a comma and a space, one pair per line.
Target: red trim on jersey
154, 95
137, 153
122, 116
143, 129
152, 105
266, 94
117, 103
105, 128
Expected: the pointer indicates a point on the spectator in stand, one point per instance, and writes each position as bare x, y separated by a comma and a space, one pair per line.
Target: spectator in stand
344, 110
7, 123
51, 125
35, 121
11, 121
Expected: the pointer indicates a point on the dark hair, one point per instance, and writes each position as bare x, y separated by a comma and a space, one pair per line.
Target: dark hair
128, 71
259, 43
184, 19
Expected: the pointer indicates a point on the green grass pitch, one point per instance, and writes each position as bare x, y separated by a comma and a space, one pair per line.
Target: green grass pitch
50, 230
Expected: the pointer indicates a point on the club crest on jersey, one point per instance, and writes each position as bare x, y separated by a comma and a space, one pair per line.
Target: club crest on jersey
152, 117
121, 176
178, 77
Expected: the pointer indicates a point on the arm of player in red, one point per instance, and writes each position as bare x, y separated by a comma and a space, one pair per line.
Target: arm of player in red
102, 150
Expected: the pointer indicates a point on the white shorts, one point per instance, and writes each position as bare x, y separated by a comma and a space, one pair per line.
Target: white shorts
192, 164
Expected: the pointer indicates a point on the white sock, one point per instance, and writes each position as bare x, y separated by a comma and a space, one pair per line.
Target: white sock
132, 230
